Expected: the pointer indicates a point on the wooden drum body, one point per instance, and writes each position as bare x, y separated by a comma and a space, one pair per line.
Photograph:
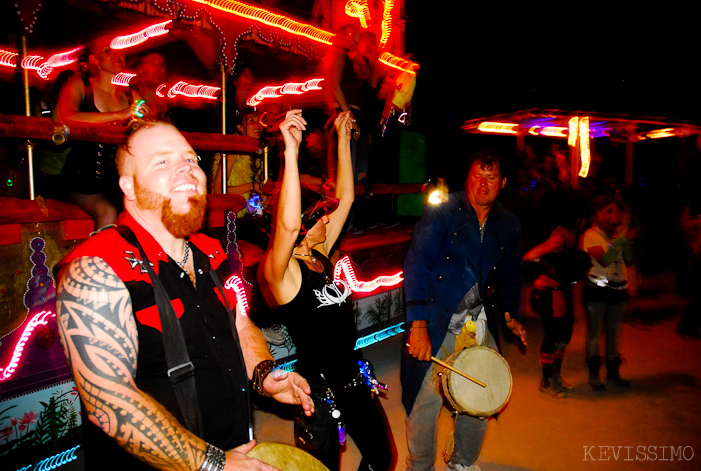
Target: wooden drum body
467, 397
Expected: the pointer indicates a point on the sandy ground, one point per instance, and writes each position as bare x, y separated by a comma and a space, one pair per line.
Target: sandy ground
643, 428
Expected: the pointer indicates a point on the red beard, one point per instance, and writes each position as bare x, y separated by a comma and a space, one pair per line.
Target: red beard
179, 225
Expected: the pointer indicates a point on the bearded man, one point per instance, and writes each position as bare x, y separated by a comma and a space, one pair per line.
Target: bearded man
113, 292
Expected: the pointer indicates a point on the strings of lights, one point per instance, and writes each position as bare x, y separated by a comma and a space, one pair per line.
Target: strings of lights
37, 63
399, 63
386, 22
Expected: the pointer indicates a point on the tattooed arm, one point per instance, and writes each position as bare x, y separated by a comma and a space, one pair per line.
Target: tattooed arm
100, 340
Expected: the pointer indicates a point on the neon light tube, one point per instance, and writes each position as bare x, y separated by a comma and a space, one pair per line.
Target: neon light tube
344, 267
193, 91
129, 40
501, 128
291, 88
270, 19
574, 129
122, 79
37, 320
584, 152
8, 58
235, 283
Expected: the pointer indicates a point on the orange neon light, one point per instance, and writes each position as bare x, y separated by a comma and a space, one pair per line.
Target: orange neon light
573, 124
501, 128
129, 40
269, 18
584, 152
358, 9
345, 268
534, 130
399, 63
553, 131
659, 133
386, 22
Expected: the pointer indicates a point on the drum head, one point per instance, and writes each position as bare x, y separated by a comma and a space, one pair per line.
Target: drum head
486, 365
286, 457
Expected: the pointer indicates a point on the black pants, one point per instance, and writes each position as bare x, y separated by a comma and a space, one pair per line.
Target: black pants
557, 327
366, 422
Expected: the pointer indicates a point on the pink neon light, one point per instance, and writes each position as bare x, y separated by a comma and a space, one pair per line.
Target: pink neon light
37, 320
344, 267
159, 90
122, 79
129, 40
193, 91
63, 58
236, 283
8, 58
290, 88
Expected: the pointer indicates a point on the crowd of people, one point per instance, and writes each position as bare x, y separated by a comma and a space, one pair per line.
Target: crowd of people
167, 359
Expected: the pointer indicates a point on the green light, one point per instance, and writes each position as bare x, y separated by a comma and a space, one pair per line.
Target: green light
9, 182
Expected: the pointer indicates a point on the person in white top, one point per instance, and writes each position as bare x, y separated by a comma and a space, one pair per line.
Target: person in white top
605, 294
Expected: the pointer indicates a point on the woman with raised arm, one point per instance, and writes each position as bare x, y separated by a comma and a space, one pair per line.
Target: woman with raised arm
318, 312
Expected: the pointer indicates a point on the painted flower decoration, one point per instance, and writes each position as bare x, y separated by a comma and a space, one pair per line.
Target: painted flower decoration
6, 432
29, 418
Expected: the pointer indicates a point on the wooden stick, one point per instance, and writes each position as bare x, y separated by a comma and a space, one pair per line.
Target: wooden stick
464, 375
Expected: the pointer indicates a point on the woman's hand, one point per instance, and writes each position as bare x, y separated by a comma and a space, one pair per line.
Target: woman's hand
344, 123
291, 129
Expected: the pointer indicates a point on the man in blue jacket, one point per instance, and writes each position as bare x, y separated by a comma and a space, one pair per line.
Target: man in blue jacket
457, 250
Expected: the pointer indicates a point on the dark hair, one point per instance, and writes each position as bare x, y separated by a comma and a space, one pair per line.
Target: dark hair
488, 158
602, 201
239, 119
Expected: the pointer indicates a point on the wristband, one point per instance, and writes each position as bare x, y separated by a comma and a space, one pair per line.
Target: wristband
214, 460
138, 113
262, 370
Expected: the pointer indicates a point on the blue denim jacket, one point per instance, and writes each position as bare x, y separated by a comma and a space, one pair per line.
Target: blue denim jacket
445, 260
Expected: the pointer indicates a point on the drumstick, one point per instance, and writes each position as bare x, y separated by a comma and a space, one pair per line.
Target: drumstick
464, 375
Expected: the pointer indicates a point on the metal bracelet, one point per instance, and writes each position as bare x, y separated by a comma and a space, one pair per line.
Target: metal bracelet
214, 460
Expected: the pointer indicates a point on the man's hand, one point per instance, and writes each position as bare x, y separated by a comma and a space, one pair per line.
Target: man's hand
291, 129
516, 327
236, 459
419, 341
289, 388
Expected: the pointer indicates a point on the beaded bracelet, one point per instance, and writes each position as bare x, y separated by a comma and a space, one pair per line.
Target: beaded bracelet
259, 373
214, 460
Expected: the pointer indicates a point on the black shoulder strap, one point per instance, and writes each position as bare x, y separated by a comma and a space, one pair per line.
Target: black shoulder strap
180, 369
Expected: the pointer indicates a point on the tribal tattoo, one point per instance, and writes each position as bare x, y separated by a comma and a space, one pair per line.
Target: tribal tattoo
100, 340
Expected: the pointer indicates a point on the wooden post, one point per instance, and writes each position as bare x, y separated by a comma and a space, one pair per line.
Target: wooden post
28, 112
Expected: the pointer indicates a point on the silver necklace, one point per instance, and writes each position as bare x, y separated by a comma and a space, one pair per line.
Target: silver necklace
187, 253
313, 259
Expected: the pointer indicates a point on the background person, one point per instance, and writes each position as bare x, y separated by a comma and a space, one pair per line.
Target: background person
606, 291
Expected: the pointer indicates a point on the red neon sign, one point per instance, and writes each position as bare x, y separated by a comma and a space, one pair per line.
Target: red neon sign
37, 320
129, 40
344, 267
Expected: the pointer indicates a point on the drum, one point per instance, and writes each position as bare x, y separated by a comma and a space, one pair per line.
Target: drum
468, 397
286, 457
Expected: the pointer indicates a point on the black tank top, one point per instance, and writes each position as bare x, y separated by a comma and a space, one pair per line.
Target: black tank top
321, 323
